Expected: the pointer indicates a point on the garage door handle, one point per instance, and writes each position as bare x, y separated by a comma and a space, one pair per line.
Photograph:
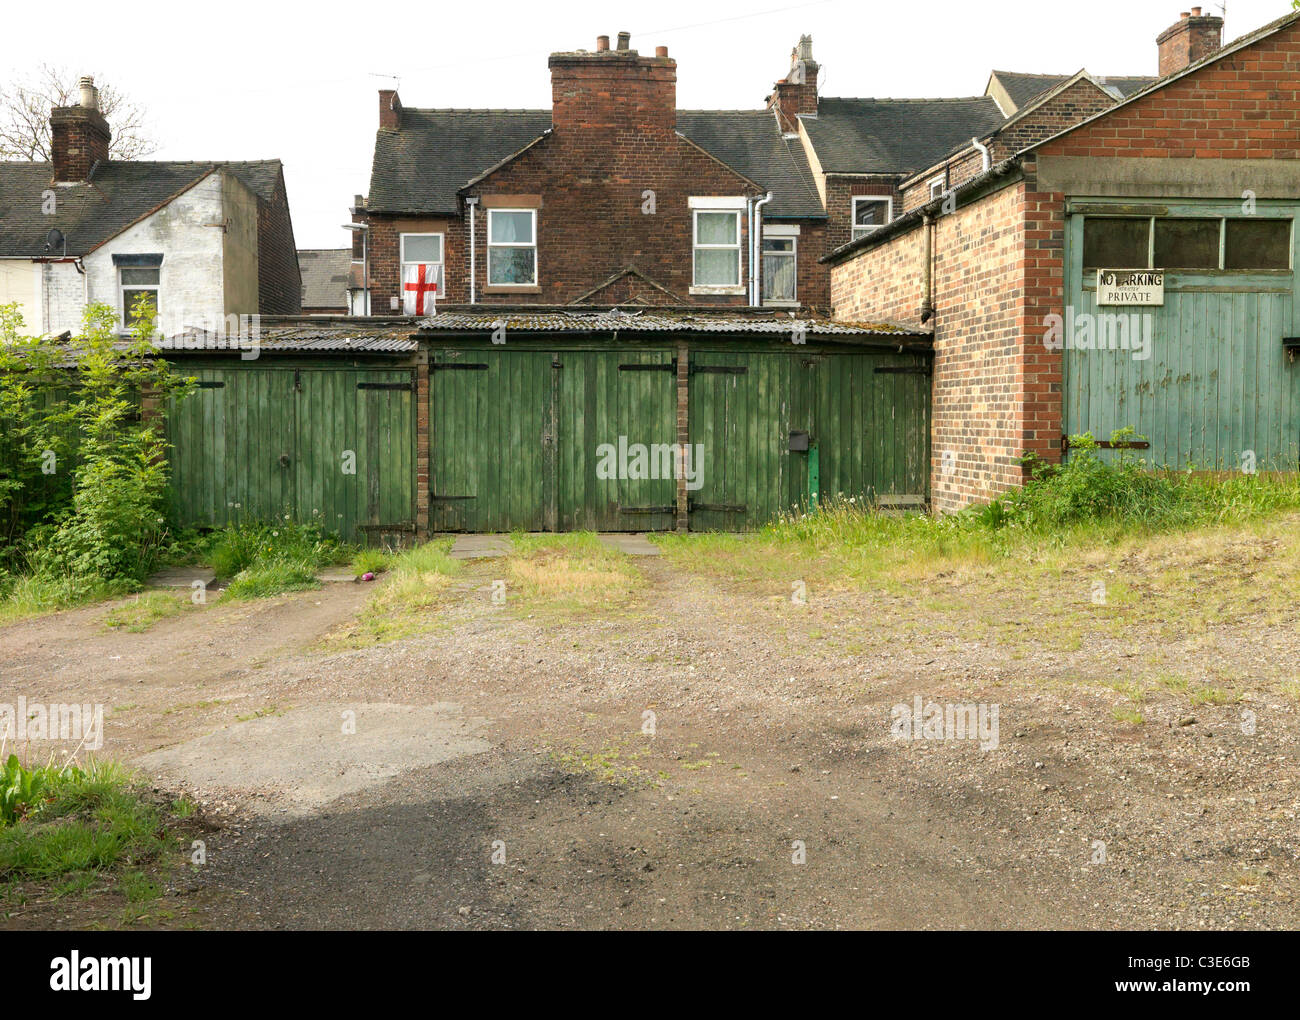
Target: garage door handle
284, 460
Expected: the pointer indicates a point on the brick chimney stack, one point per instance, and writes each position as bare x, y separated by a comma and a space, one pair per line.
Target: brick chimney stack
79, 136
796, 93
390, 109
1189, 39
614, 89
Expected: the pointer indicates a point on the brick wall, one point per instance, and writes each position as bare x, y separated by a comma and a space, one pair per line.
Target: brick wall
840, 189
590, 224
978, 424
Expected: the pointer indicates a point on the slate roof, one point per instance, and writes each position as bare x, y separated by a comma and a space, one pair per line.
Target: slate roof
751, 142
1024, 88
118, 194
420, 168
895, 135
324, 276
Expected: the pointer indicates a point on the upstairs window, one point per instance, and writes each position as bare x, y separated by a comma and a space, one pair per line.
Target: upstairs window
780, 269
936, 188
422, 272
1187, 243
136, 283
512, 247
717, 248
870, 213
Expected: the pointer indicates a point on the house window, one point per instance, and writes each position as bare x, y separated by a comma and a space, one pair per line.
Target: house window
936, 188
780, 269
717, 248
422, 271
870, 213
512, 247
137, 283
1187, 243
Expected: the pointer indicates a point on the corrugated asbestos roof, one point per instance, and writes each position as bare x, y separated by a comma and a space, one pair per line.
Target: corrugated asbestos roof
306, 338
119, 194
653, 322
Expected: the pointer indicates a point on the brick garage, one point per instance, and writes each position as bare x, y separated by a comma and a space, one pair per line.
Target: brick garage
1204, 133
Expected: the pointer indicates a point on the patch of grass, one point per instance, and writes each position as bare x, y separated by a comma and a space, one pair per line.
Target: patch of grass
611, 764
142, 612
87, 818
1213, 696
371, 561
276, 578
1127, 714
268, 559
29, 595
406, 599
568, 573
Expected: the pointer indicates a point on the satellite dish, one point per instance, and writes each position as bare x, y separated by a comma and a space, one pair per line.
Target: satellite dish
55, 239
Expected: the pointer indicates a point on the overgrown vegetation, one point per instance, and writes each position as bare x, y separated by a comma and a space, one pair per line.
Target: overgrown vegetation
58, 820
83, 471
415, 583
1087, 501
267, 559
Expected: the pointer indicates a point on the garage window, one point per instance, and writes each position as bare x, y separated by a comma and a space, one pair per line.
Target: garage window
717, 248
1188, 243
512, 247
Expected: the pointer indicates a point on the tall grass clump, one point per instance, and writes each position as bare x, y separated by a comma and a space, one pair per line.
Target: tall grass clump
260, 559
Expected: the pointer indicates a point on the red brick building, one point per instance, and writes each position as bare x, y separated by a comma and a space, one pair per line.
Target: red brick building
613, 196
1133, 267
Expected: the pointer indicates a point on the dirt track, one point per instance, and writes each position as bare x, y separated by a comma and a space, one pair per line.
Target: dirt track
522, 737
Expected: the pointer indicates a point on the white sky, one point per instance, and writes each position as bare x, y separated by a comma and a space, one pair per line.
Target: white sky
250, 80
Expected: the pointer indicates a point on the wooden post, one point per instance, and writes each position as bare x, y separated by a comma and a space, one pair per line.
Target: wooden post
422, 445
683, 434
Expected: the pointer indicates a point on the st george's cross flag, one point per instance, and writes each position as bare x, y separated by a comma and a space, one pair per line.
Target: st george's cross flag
421, 283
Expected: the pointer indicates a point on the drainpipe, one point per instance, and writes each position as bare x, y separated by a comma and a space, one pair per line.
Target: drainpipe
472, 202
927, 305
756, 251
986, 160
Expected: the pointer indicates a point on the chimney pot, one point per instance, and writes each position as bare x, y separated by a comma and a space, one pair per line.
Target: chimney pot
624, 38
602, 43
1196, 12
1190, 39
661, 51
89, 95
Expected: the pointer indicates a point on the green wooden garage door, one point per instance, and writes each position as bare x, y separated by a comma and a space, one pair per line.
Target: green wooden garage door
864, 418
334, 445
518, 439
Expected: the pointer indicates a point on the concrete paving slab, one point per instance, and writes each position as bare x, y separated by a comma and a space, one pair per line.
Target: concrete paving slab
182, 577
633, 545
336, 574
475, 547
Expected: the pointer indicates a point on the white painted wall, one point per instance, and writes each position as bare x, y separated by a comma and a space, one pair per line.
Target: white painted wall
21, 282
188, 233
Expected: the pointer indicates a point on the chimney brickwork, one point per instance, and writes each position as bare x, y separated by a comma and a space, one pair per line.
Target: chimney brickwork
1191, 38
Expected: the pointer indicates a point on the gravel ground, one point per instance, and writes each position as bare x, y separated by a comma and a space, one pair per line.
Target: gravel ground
500, 775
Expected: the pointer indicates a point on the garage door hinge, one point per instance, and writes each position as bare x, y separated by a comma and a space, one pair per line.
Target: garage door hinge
904, 370
719, 369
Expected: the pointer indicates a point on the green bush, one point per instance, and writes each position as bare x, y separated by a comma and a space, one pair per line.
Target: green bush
83, 472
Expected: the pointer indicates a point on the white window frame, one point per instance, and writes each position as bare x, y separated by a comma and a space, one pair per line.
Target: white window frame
936, 186
537, 268
441, 275
122, 288
856, 231
781, 232
717, 288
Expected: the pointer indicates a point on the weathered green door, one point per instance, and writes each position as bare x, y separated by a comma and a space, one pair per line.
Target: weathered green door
334, 445
617, 419
760, 418
1207, 381
492, 440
